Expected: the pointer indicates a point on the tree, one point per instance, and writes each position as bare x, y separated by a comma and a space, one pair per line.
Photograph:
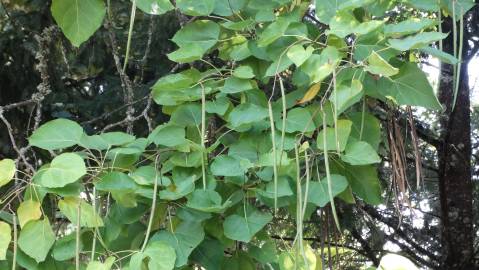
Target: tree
150, 134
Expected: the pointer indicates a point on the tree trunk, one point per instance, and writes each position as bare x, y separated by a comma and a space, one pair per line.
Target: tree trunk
454, 154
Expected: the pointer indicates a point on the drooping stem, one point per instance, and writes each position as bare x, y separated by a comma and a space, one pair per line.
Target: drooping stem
15, 232
77, 246
328, 173
203, 134
130, 33
153, 204
275, 166
93, 244
459, 57
283, 130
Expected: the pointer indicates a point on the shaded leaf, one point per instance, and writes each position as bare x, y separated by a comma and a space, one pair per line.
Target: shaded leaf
88, 217
243, 228
36, 239
344, 129
186, 237
318, 192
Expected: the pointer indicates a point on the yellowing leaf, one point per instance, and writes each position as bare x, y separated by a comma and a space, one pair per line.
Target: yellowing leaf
312, 92
7, 171
28, 210
5, 238
377, 65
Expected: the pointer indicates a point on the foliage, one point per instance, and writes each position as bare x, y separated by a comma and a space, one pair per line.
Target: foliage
294, 134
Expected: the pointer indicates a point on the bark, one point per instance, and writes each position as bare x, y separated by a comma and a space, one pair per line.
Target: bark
454, 153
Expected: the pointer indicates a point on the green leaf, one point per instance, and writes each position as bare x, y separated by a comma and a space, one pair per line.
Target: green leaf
218, 106
284, 189
326, 9
429, 5
371, 128
460, 7
96, 265
266, 253
318, 67
229, 166
243, 72
377, 65
5, 238
360, 153
246, 113
279, 65
206, 201
194, 40
78, 20
364, 182
187, 53
236, 26
346, 96
189, 159
443, 56
352, 4
161, 256
235, 85
243, 228
318, 192
344, 129
65, 169
154, 7
177, 88
36, 239
116, 181
409, 87
342, 24
168, 135
28, 210
187, 115
209, 254
117, 138
228, 8
203, 33
273, 31
64, 248
179, 188
7, 171
298, 54
49, 137
416, 41
409, 26
145, 175
297, 120
195, 7
88, 217
186, 237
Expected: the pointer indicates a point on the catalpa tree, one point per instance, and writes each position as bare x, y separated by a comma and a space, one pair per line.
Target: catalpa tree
271, 113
